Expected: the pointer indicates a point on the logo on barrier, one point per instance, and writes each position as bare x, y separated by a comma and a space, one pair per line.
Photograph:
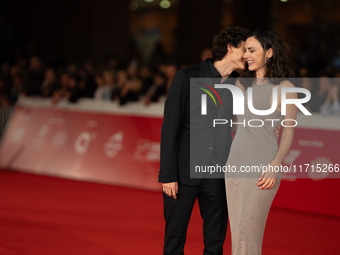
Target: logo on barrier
114, 145
83, 142
39, 142
147, 151
59, 139
292, 156
319, 171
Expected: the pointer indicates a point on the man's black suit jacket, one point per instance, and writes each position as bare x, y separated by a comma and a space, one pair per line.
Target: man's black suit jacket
175, 133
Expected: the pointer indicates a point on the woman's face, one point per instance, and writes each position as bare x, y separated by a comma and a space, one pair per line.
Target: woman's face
255, 56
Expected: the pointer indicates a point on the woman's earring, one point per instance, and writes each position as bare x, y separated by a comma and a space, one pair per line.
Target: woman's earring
268, 59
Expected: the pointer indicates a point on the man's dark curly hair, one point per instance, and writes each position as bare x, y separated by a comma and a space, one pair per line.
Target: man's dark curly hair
230, 35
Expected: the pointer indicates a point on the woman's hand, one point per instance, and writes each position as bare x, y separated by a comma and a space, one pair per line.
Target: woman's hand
277, 130
268, 178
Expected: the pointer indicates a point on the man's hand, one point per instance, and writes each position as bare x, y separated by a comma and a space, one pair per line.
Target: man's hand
170, 189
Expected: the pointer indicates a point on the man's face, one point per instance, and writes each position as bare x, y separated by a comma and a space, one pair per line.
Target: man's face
238, 54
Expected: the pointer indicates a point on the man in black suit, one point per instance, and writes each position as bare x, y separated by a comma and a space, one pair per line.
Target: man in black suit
179, 190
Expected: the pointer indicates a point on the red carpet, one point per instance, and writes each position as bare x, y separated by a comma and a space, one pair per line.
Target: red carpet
45, 215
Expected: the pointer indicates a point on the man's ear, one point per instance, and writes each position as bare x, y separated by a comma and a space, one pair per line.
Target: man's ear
269, 53
230, 48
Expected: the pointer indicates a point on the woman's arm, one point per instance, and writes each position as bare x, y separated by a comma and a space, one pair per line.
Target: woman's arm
267, 179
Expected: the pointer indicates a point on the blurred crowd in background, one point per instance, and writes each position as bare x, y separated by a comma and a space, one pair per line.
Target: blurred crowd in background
109, 80
112, 80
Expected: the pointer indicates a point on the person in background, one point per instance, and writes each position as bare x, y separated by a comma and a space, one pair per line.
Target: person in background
4, 100
122, 79
331, 105
206, 53
6, 76
104, 86
157, 89
170, 70
131, 89
305, 82
49, 84
16, 89
146, 77
35, 77
72, 93
62, 88
320, 93
89, 78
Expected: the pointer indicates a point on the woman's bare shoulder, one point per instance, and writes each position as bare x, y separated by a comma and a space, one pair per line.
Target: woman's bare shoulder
286, 84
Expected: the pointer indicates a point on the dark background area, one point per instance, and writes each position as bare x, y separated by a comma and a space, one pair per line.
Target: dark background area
76, 30
128, 51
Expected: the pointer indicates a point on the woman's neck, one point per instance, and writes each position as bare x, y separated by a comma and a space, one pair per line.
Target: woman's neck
260, 74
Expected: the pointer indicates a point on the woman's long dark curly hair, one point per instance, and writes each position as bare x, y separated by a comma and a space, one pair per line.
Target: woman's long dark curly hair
278, 67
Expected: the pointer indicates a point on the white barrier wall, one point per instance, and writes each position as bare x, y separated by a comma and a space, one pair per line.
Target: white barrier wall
104, 142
